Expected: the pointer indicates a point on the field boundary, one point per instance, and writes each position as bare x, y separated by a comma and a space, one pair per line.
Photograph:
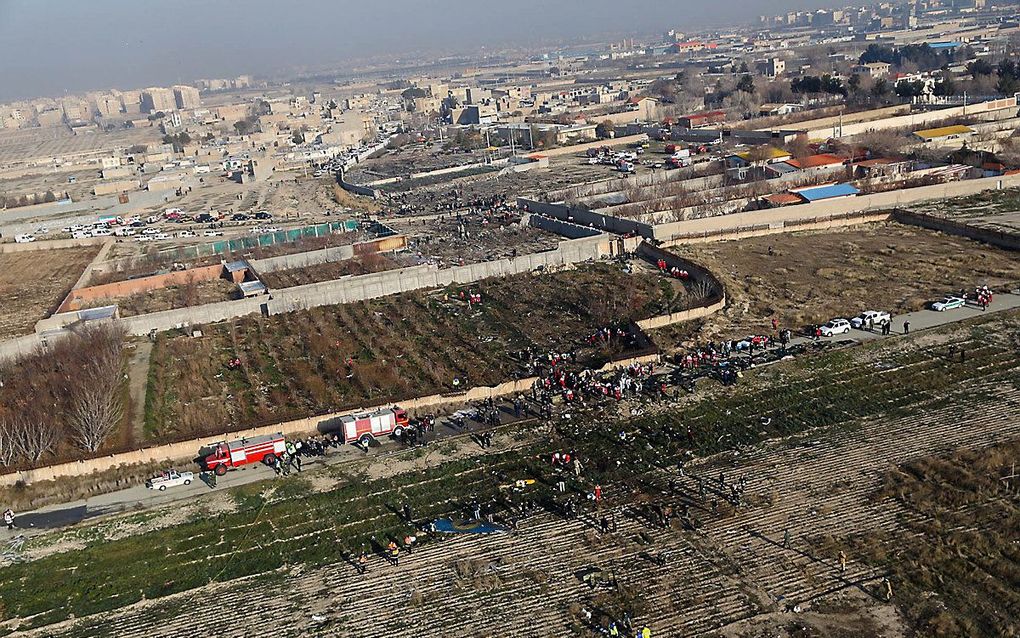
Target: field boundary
1002, 239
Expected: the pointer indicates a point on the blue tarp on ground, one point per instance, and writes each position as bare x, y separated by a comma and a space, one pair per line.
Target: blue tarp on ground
826, 192
467, 527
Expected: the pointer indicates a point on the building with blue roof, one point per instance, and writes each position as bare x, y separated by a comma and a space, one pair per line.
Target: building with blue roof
829, 191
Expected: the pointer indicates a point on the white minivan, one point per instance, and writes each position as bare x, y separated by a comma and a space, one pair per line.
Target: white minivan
24, 239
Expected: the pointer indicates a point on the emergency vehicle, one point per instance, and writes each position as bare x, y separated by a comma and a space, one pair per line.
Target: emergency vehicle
231, 454
363, 428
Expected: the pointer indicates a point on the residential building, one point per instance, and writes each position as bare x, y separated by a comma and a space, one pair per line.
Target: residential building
873, 69
155, 99
186, 97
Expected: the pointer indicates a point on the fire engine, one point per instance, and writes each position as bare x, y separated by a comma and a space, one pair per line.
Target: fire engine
231, 454
364, 427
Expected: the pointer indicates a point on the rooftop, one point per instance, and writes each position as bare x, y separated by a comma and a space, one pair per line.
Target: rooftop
944, 131
814, 161
828, 191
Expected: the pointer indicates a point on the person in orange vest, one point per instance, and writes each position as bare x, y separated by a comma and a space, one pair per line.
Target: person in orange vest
598, 493
394, 552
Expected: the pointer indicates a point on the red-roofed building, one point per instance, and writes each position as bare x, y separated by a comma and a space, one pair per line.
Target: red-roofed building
697, 120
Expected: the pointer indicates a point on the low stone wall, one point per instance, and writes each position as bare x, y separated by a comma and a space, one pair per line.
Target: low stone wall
582, 148
21, 346
1008, 241
560, 227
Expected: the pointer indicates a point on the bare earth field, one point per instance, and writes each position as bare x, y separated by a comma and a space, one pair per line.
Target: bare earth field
173, 297
371, 352
893, 470
812, 277
33, 283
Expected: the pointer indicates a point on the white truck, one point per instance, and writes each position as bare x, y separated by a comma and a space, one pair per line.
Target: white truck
169, 478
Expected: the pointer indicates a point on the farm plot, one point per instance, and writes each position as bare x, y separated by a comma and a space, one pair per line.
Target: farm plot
33, 283
195, 293
372, 352
295, 543
811, 277
472, 238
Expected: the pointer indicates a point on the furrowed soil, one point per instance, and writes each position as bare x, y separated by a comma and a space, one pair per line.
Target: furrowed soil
812, 277
373, 352
33, 283
817, 468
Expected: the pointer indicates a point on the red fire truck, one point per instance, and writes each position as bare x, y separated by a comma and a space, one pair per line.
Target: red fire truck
363, 428
231, 454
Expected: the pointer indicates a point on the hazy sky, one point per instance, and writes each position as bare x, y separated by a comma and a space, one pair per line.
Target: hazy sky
49, 47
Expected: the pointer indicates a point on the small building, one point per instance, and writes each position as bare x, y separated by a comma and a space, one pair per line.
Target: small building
773, 109
782, 199
873, 69
252, 288
944, 134
880, 167
757, 157
826, 191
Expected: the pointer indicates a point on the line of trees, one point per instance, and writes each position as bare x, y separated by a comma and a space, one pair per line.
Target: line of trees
69, 397
16, 201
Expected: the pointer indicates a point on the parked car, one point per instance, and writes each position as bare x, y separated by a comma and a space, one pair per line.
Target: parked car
150, 231
186, 233
835, 327
263, 215
878, 319
169, 478
24, 239
213, 233
948, 303
239, 217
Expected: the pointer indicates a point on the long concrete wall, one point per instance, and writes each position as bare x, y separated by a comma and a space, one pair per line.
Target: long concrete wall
328, 255
788, 226
916, 120
1008, 241
581, 148
50, 244
771, 217
361, 287
79, 297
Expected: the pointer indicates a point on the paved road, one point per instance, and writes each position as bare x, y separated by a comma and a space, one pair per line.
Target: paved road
66, 514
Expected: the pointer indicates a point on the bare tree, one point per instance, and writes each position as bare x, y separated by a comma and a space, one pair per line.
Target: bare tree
33, 438
8, 446
96, 414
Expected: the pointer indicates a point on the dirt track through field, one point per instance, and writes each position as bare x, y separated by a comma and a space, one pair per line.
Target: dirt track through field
730, 570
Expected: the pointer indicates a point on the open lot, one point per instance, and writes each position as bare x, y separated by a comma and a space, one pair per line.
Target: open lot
811, 277
472, 237
843, 456
995, 209
371, 352
33, 283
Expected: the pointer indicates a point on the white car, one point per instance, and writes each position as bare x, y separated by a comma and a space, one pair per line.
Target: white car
161, 236
835, 327
878, 319
186, 233
24, 239
151, 231
213, 233
169, 478
143, 238
948, 303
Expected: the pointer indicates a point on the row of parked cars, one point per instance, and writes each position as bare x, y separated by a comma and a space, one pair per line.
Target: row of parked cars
866, 320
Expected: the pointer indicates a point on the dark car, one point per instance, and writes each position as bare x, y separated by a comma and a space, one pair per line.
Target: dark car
239, 217
263, 216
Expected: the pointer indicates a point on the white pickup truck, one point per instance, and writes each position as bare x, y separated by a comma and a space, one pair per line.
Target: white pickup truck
169, 478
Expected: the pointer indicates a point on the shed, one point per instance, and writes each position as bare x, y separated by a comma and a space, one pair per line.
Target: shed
828, 191
956, 131
252, 288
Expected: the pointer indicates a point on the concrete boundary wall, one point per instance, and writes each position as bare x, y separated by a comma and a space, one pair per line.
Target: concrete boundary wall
560, 227
364, 191
21, 346
187, 450
328, 255
370, 286
777, 217
662, 321
1008, 241
48, 244
916, 120
75, 298
818, 223
578, 148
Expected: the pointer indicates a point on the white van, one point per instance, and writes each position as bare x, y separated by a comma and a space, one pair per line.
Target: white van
101, 232
24, 239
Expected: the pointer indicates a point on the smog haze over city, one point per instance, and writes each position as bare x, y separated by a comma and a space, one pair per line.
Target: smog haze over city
53, 47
